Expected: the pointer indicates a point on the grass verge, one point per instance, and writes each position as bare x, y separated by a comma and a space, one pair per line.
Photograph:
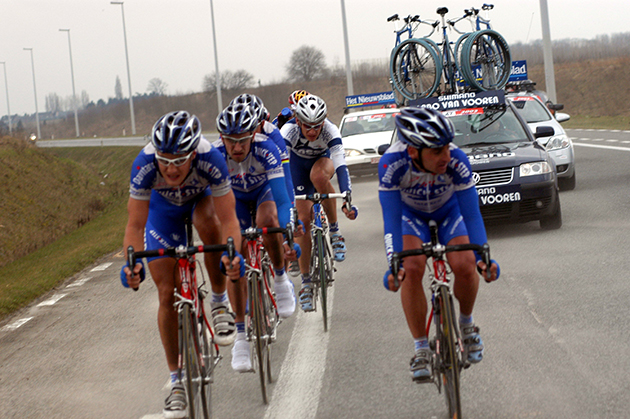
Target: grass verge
29, 277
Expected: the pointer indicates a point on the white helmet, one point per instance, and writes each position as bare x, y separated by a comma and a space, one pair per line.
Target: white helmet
311, 109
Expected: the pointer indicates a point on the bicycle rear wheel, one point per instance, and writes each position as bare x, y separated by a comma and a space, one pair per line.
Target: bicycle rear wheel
415, 69
450, 367
486, 60
192, 365
259, 333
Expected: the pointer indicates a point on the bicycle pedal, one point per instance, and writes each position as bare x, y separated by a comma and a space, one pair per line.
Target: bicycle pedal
423, 380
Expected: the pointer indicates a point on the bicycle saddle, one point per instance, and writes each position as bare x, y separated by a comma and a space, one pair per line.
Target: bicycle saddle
442, 11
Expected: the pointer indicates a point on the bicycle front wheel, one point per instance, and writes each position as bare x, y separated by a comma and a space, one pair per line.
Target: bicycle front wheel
486, 60
450, 367
209, 357
415, 69
259, 333
271, 320
190, 355
323, 278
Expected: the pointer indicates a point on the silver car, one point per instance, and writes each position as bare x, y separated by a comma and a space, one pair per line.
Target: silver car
558, 145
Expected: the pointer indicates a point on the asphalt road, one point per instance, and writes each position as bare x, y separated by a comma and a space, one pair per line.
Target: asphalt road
555, 326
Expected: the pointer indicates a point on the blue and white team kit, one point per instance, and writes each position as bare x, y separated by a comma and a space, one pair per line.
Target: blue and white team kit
258, 178
416, 197
305, 153
169, 206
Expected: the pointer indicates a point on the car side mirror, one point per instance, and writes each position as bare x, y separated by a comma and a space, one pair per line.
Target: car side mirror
555, 106
382, 149
561, 117
544, 131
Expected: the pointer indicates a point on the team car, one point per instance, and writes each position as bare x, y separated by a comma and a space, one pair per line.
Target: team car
362, 133
559, 146
515, 176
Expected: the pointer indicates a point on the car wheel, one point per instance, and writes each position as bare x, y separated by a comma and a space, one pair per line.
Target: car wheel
554, 221
567, 184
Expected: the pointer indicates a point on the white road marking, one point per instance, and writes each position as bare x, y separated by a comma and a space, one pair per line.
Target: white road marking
102, 267
52, 300
12, 326
608, 147
613, 141
79, 282
300, 381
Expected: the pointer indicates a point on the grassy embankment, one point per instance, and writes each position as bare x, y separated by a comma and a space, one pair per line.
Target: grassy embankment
46, 195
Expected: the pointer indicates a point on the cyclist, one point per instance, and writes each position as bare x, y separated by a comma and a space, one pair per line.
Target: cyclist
258, 182
271, 131
286, 114
176, 176
424, 177
316, 155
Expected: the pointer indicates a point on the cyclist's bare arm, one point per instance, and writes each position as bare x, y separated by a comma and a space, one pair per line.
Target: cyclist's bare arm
138, 211
224, 207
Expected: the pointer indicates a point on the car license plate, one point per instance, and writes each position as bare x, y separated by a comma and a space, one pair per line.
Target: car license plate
375, 160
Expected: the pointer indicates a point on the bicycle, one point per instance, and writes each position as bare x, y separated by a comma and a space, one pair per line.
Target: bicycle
322, 264
198, 354
414, 65
262, 318
449, 357
485, 59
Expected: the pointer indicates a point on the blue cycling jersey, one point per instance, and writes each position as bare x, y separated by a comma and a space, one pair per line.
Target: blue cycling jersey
208, 170
407, 192
329, 140
260, 169
274, 134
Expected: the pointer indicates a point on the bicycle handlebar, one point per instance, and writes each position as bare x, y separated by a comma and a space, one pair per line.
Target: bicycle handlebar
179, 252
438, 250
319, 197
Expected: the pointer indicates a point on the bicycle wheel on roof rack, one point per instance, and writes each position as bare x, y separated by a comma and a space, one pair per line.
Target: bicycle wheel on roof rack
485, 60
415, 69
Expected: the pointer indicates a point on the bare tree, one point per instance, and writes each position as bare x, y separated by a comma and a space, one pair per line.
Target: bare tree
53, 103
157, 87
118, 89
240, 79
306, 64
85, 99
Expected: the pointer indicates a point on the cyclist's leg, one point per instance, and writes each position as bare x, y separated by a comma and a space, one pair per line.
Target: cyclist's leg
207, 224
321, 173
466, 283
300, 172
267, 216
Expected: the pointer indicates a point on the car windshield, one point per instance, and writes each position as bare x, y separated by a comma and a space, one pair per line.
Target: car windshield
531, 109
378, 122
491, 125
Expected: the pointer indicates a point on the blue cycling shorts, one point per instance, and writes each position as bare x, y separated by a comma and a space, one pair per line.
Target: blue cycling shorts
301, 173
449, 219
246, 202
166, 224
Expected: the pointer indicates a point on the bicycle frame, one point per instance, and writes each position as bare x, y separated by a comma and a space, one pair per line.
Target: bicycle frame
197, 355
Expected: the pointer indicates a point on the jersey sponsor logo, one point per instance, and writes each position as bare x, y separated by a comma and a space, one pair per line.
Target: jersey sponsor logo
142, 173
391, 169
389, 246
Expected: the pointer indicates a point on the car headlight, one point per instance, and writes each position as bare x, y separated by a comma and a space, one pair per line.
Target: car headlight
351, 152
557, 142
536, 168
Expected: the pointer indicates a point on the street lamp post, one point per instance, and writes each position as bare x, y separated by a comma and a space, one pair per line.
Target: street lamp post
39, 133
6, 86
347, 48
74, 94
216, 62
133, 118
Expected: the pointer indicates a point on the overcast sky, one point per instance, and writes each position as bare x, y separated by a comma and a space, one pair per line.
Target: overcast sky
172, 40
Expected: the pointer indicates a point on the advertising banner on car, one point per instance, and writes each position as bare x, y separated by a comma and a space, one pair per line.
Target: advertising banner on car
461, 100
370, 99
